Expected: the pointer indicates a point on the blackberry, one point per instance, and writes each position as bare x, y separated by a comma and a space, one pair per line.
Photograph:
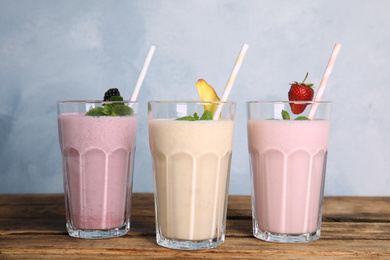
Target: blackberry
111, 92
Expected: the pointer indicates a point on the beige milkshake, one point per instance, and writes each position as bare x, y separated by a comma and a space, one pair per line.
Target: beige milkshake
191, 165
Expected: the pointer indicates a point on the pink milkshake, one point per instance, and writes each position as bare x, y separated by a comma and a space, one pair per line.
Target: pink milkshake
288, 159
98, 154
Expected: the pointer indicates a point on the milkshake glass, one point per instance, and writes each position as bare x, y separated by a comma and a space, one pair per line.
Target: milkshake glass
97, 161
288, 162
191, 167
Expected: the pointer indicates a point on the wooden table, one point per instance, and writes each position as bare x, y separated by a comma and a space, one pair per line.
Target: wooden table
33, 226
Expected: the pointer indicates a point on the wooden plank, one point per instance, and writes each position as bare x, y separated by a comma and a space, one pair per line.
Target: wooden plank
335, 208
57, 226
33, 226
49, 245
43, 213
235, 228
359, 209
345, 209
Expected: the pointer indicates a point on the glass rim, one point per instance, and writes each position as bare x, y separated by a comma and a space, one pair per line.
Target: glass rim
191, 102
94, 102
287, 102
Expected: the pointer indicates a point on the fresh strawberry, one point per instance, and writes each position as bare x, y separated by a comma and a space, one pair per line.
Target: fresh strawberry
300, 92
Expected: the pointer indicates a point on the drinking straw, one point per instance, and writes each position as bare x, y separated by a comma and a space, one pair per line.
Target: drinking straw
325, 79
231, 80
141, 76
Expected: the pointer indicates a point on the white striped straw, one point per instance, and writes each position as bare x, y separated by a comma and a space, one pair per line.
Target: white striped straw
232, 78
325, 79
141, 76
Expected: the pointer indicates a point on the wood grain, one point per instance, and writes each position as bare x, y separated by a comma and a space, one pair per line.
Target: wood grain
32, 227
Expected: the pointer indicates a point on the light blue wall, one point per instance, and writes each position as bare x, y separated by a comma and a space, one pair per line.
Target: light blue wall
68, 50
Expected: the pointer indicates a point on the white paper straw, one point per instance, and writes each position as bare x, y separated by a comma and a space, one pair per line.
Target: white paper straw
325, 79
141, 76
231, 80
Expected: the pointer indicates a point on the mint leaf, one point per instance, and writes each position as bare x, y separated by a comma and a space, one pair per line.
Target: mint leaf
285, 115
114, 109
186, 118
97, 111
117, 109
207, 115
121, 109
116, 98
108, 110
196, 117
302, 118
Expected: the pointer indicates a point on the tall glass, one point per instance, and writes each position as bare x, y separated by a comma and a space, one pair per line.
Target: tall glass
288, 162
191, 166
98, 160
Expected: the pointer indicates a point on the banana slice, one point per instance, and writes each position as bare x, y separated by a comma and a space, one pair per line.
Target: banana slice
207, 93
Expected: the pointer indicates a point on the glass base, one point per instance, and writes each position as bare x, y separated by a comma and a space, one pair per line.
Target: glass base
286, 238
97, 234
188, 244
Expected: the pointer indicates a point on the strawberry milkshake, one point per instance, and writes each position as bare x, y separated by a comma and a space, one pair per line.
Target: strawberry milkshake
98, 157
288, 161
